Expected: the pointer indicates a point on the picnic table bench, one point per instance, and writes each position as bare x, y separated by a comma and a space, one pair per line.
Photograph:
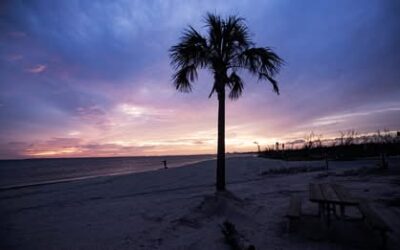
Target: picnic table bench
373, 219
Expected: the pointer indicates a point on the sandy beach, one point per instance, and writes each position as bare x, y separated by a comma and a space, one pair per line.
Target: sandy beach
192, 125
178, 209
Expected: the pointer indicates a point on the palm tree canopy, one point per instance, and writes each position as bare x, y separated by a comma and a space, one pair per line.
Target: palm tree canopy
225, 50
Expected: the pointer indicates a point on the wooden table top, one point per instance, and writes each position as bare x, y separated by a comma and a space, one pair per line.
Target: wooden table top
331, 193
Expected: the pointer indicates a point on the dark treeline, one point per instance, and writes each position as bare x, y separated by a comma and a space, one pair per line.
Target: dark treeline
346, 147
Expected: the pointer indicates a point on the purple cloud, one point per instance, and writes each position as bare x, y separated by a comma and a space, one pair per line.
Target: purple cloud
37, 69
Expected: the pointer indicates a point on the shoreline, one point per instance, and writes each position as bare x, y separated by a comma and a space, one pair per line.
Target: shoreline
81, 178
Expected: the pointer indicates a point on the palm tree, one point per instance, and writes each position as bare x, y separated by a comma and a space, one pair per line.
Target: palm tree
225, 50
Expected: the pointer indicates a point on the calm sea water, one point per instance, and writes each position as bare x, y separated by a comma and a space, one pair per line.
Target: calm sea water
17, 173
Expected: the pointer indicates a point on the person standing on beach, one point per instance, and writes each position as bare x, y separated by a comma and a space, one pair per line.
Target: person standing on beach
165, 164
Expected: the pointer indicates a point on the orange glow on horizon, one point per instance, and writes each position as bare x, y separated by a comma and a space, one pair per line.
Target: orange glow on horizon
55, 152
181, 146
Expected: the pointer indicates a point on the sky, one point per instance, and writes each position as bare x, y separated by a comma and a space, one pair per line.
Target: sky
93, 78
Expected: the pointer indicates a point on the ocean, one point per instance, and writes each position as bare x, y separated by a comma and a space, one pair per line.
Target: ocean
30, 172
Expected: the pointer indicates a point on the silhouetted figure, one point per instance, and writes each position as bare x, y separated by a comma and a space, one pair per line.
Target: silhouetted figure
165, 164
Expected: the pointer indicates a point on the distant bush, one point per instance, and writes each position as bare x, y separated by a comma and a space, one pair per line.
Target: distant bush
292, 170
348, 146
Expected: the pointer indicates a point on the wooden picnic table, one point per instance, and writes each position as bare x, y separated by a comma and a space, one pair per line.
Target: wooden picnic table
330, 195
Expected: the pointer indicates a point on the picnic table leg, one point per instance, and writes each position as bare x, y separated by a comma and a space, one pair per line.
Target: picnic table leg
334, 210
320, 209
342, 211
330, 209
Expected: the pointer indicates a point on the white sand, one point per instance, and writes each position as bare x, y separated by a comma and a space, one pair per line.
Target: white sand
177, 209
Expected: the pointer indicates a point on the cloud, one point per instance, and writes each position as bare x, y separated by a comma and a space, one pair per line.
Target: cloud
360, 118
37, 69
14, 57
95, 115
144, 112
135, 111
74, 133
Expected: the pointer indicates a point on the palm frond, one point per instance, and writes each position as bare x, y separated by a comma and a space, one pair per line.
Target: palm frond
215, 25
236, 85
188, 55
192, 49
235, 35
272, 81
183, 77
212, 91
263, 62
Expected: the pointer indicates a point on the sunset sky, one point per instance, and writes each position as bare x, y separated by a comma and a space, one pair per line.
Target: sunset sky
92, 78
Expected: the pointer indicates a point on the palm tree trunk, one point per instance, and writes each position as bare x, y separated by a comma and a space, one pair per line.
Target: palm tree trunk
221, 142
